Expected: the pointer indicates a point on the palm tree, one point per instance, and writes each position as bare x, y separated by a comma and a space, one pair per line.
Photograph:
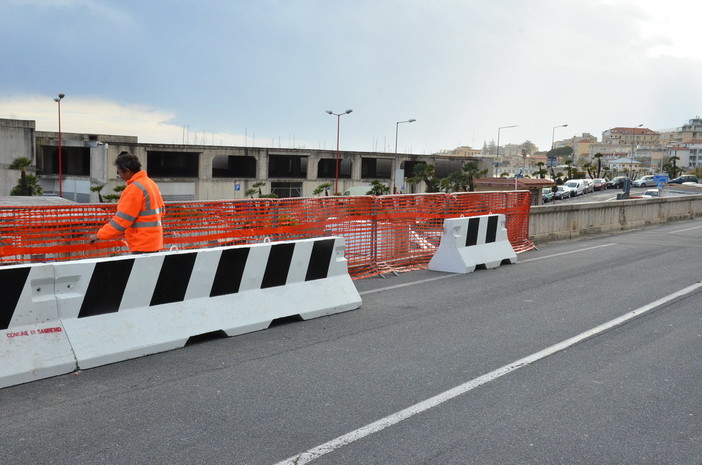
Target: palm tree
542, 172
28, 183
471, 172
426, 173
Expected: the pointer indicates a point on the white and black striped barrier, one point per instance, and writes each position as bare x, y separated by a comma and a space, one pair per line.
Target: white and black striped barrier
471, 241
103, 311
33, 342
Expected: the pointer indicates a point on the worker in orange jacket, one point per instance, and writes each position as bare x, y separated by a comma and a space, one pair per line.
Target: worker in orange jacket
139, 209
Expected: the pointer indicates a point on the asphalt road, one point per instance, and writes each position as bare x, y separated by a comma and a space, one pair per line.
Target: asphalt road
584, 352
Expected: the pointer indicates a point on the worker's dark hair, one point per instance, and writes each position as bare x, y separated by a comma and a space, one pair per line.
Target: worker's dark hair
127, 161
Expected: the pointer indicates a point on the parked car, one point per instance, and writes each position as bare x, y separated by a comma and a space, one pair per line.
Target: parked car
684, 178
576, 187
617, 182
651, 194
645, 181
547, 194
599, 184
588, 186
562, 193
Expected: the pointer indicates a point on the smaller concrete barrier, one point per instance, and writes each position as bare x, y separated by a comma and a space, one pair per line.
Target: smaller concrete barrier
33, 342
472, 241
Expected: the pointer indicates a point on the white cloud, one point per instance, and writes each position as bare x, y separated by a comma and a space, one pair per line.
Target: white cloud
670, 28
95, 116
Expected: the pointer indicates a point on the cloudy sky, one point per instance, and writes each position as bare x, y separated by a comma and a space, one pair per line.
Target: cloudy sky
263, 72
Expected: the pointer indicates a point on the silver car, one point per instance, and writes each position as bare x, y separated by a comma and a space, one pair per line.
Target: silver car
645, 181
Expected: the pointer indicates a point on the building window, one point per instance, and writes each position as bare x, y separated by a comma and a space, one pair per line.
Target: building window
172, 164
75, 161
232, 166
287, 166
376, 168
326, 168
286, 189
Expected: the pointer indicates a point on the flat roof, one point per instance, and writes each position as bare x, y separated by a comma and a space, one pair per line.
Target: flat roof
36, 200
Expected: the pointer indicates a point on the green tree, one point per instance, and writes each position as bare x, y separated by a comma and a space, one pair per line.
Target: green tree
471, 172
28, 184
569, 168
599, 172
256, 187
529, 147
426, 173
98, 189
561, 152
454, 182
378, 188
117, 193
541, 172
322, 188
671, 167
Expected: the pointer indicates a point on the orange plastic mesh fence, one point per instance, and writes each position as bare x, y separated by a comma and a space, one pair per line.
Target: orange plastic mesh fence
383, 234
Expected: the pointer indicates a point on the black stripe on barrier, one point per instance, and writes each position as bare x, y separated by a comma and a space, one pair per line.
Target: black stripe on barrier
230, 270
173, 279
472, 233
106, 287
278, 265
320, 259
11, 284
491, 235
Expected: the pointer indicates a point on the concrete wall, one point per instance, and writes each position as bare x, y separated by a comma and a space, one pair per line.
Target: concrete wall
572, 220
17, 140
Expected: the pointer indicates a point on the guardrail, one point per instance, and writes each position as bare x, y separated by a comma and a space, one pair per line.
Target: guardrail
573, 220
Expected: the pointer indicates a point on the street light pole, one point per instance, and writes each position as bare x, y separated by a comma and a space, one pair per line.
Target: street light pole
338, 127
497, 156
60, 158
553, 133
394, 160
553, 139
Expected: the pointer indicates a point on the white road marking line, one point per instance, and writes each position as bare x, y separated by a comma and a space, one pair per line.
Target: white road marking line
452, 275
330, 446
566, 253
396, 286
683, 230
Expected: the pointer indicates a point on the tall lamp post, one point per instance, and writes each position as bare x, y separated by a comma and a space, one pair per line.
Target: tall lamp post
553, 139
338, 126
497, 156
553, 133
634, 141
60, 158
394, 160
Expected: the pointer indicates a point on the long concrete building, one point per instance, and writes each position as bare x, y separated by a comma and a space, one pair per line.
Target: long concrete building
202, 172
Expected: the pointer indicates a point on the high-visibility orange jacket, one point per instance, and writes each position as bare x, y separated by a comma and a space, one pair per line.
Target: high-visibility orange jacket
138, 216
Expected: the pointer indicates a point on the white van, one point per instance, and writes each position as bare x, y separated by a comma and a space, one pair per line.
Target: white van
576, 186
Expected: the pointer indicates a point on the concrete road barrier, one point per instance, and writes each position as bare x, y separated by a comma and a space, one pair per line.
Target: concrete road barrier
471, 241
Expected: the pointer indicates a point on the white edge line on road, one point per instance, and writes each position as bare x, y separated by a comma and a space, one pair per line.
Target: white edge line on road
334, 444
566, 253
428, 280
451, 275
683, 230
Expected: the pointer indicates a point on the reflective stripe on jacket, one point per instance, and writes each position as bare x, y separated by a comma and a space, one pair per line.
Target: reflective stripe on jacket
138, 216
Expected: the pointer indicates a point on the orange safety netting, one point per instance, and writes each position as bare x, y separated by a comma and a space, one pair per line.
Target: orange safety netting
383, 234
